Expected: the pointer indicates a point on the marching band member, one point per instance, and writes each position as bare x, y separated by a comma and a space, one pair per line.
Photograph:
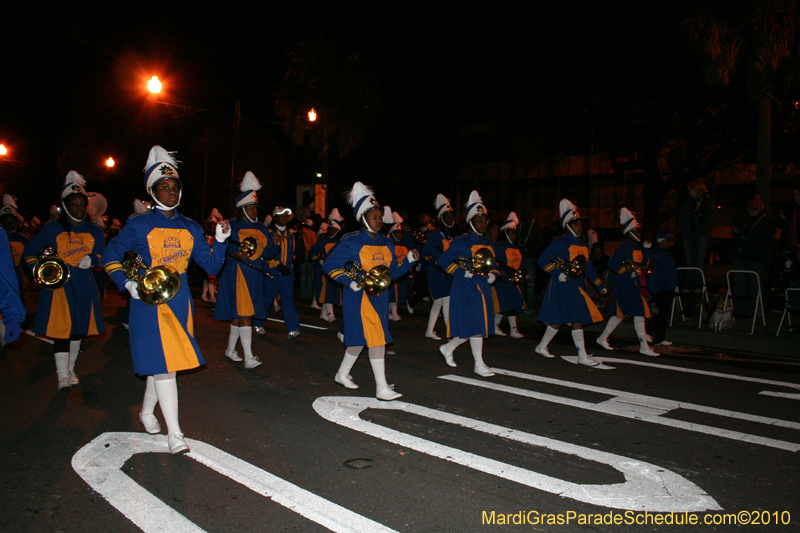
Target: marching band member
330, 292
12, 312
661, 284
10, 220
507, 294
209, 293
316, 256
73, 311
470, 297
366, 318
403, 242
565, 301
626, 298
439, 282
241, 289
279, 264
162, 336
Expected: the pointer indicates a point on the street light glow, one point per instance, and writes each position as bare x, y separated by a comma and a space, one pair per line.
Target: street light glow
110, 162
3, 149
154, 86
312, 115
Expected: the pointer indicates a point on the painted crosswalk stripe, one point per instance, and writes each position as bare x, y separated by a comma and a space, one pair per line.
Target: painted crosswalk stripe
100, 461
638, 407
647, 487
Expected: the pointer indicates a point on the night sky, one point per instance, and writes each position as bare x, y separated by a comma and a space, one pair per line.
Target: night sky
73, 79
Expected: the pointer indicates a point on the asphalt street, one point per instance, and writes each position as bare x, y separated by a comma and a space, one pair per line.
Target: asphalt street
694, 434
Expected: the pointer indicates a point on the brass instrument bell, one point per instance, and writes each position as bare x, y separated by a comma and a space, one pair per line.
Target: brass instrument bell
375, 281
481, 262
515, 275
248, 247
157, 285
574, 268
50, 271
640, 268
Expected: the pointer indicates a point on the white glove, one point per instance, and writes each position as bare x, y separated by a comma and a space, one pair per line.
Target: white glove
562, 277
321, 262
647, 244
133, 288
491, 277
468, 274
410, 258
355, 287
634, 274
85, 262
222, 232
603, 291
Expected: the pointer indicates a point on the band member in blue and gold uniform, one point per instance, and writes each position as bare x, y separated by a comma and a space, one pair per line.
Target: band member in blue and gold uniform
439, 282
241, 286
366, 318
10, 219
626, 298
280, 266
507, 294
471, 314
162, 336
326, 291
565, 301
72, 312
403, 243
12, 312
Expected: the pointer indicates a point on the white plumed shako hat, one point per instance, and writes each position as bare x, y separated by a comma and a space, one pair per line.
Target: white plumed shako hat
567, 211
442, 205
512, 222
628, 220
361, 199
475, 206
248, 186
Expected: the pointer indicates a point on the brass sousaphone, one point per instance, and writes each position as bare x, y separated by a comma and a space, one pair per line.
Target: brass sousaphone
480, 264
157, 285
50, 271
375, 281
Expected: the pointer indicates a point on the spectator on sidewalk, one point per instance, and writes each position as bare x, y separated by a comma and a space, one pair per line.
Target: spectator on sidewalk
753, 248
661, 284
697, 218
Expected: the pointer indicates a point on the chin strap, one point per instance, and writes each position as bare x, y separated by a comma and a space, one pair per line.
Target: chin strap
161, 206
569, 229
248, 217
75, 220
474, 230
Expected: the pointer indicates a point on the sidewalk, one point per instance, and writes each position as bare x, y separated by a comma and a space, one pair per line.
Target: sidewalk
738, 339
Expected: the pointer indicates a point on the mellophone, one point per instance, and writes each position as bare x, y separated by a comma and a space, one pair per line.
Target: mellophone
640, 268
574, 268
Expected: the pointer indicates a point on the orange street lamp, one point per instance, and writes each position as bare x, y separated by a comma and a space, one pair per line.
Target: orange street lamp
154, 86
110, 162
3, 149
312, 115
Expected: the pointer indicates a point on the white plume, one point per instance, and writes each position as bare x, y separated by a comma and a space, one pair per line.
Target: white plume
74, 177
474, 198
625, 215
397, 218
10, 201
512, 217
565, 205
139, 207
358, 192
387, 215
159, 155
441, 200
250, 183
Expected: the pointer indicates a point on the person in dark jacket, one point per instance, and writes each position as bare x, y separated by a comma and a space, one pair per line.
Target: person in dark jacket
789, 222
661, 284
697, 218
753, 245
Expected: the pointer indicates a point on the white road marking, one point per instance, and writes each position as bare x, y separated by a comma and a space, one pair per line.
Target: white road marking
99, 463
638, 407
304, 325
787, 395
32, 334
647, 487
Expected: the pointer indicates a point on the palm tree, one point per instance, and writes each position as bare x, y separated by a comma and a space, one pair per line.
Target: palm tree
755, 40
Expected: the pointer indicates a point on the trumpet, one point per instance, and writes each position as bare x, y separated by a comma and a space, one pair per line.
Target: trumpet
574, 268
515, 276
640, 268
50, 271
481, 262
375, 281
157, 285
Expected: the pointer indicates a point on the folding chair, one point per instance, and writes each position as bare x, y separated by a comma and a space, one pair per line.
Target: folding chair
759, 299
787, 310
677, 300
